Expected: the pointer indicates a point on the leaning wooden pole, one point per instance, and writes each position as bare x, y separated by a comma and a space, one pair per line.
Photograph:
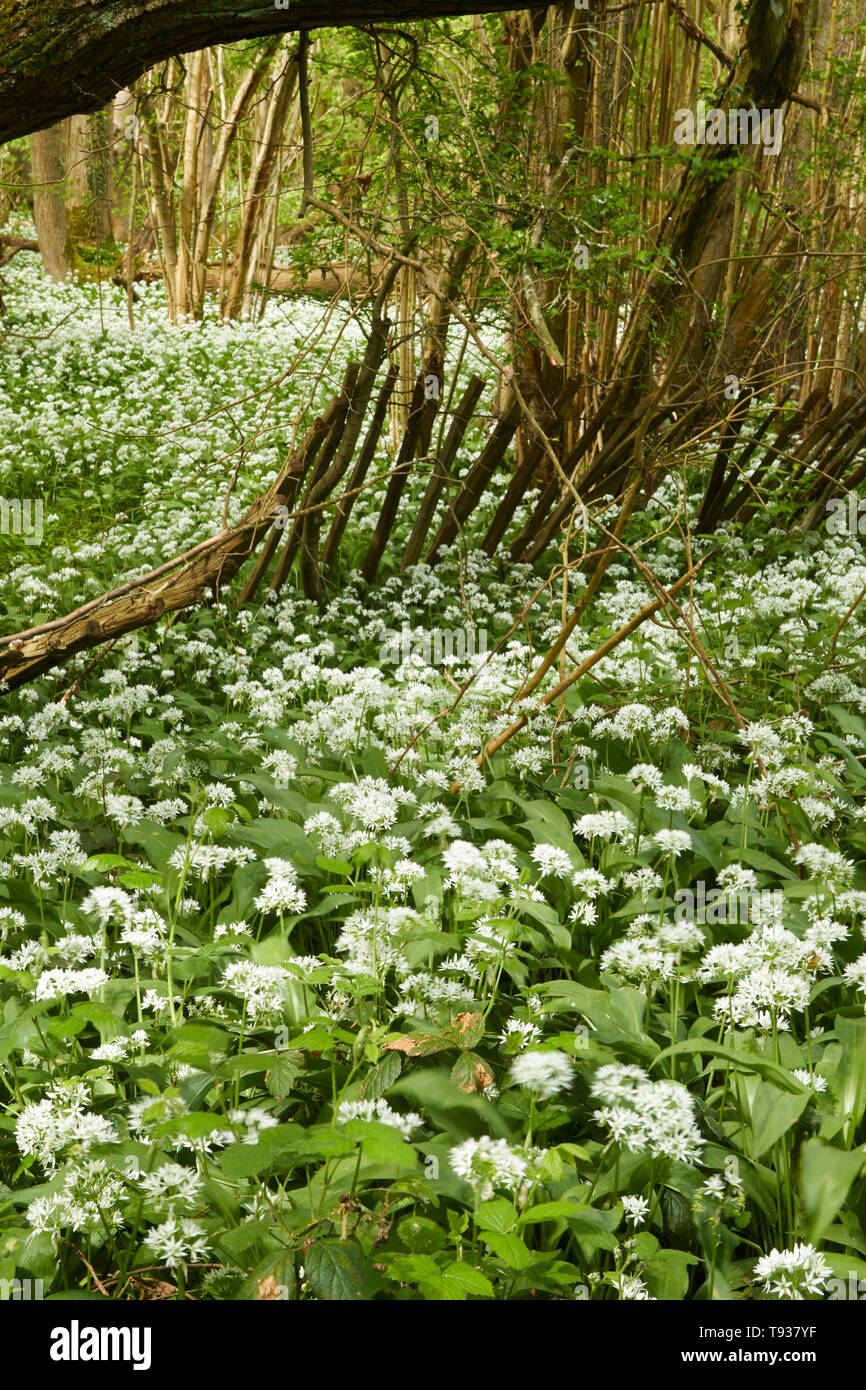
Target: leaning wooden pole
400, 477
476, 480
441, 471
356, 480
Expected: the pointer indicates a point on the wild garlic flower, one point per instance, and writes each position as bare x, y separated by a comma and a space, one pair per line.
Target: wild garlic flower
543, 1074
487, 1165
647, 1116
281, 892
793, 1273
378, 1110
636, 1209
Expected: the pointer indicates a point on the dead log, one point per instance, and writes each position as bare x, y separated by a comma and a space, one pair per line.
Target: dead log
336, 279
30, 654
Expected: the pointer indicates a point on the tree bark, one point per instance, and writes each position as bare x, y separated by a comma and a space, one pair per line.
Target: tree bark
58, 58
47, 148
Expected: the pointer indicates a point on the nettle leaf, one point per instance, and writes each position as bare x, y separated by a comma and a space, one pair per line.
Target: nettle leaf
413, 1269
337, 1271
284, 1072
509, 1248
466, 1281
382, 1077
496, 1215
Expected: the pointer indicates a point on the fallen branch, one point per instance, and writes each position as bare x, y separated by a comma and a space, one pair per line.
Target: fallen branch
30, 654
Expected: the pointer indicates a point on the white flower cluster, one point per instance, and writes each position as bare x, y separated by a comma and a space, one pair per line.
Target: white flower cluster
60, 1123
378, 1110
487, 1165
647, 1116
793, 1273
281, 892
86, 1202
262, 987
543, 1074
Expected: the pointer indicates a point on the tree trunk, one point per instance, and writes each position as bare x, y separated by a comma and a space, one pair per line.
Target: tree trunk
57, 58
47, 148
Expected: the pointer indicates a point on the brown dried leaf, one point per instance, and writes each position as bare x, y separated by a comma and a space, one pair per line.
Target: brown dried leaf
470, 1073
268, 1288
463, 1030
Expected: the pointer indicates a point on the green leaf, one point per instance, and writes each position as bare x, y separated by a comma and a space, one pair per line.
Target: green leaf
382, 1077
471, 1072
749, 1061
848, 1083
456, 1112
773, 1112
336, 1271
498, 1215
826, 1175
667, 1274
420, 1235
283, 1073
645, 1245
509, 1248
102, 863
412, 1269
140, 880
467, 1278
549, 1211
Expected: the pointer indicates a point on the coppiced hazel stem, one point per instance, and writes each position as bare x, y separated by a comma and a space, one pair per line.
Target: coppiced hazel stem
494, 744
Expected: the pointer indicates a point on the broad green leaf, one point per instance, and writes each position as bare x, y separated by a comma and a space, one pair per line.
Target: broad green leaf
497, 1215
509, 1248
826, 1175
667, 1274
772, 1114
336, 1270
749, 1061
848, 1084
